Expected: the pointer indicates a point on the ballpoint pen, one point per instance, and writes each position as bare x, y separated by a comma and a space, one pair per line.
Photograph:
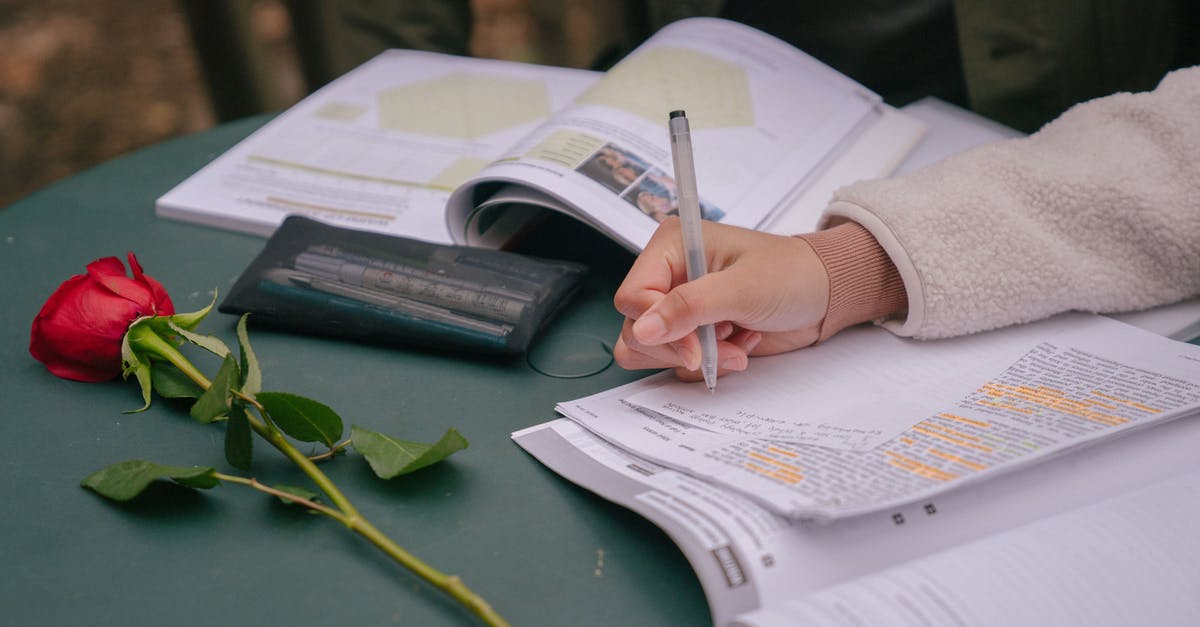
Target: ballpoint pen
693, 236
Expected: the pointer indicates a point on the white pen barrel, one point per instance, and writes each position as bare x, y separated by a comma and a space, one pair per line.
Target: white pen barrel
693, 234
689, 197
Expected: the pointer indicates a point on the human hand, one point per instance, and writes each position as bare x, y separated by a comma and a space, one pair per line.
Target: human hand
764, 293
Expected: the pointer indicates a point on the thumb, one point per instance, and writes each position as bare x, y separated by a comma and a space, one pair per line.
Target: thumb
687, 306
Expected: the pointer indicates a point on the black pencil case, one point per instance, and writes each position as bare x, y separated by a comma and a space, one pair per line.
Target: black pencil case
315, 278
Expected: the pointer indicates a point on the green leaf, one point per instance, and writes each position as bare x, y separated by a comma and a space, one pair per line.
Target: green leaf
190, 321
207, 342
301, 493
390, 457
132, 364
239, 446
302, 418
170, 382
123, 481
214, 403
252, 382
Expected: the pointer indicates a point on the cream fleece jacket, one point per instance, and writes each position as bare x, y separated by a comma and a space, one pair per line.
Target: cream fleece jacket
1098, 211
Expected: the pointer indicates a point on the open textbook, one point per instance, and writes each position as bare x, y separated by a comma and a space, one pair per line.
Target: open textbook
954, 502
453, 149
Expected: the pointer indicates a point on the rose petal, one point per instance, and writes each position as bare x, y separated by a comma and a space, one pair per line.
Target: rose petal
78, 332
106, 266
84, 359
97, 368
162, 301
134, 266
136, 293
94, 316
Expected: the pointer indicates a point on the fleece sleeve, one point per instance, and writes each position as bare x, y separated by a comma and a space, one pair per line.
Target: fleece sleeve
1098, 211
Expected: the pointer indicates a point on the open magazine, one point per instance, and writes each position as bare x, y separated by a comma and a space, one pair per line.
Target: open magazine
1027, 487
459, 150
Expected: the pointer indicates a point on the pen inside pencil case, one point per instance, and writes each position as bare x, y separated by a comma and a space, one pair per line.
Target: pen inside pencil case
414, 284
450, 266
351, 317
386, 300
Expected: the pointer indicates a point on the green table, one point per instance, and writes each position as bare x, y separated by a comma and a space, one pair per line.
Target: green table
541, 550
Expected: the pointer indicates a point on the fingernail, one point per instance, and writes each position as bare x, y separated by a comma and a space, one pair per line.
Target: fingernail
752, 342
733, 363
650, 327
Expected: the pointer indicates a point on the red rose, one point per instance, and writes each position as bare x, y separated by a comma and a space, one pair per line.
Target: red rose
78, 332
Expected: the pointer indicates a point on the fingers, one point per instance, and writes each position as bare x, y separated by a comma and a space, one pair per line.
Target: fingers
734, 360
733, 348
746, 339
687, 306
782, 342
632, 353
731, 364
655, 271
765, 293
757, 280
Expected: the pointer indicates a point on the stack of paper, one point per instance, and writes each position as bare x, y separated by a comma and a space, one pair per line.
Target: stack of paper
833, 463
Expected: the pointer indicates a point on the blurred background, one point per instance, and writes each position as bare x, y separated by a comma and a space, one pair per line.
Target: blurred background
83, 81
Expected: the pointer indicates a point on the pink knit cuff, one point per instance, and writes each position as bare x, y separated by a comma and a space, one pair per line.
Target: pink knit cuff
863, 282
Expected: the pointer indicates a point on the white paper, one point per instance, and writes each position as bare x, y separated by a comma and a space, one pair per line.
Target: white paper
769, 559
1124, 561
1178, 321
1067, 381
854, 393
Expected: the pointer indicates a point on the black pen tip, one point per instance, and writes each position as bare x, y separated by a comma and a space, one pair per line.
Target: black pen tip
678, 113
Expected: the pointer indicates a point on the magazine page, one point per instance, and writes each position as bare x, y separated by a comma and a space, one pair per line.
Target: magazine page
869, 421
749, 558
765, 120
875, 153
380, 148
